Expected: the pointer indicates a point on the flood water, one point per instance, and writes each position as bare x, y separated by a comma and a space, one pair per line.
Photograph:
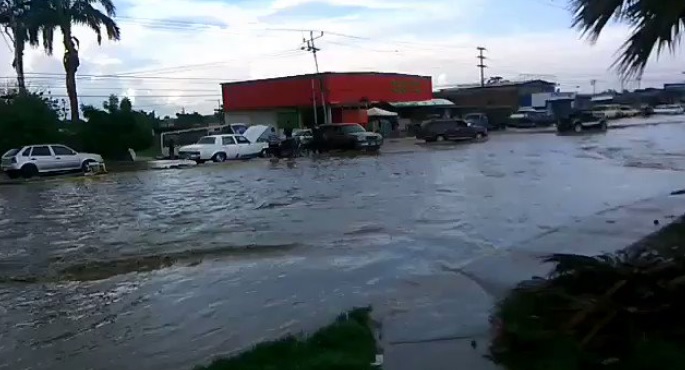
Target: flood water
166, 269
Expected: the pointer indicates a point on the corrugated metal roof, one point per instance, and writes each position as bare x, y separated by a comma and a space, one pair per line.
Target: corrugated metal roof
424, 103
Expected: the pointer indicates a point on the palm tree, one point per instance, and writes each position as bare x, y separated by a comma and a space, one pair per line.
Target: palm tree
654, 23
21, 20
67, 13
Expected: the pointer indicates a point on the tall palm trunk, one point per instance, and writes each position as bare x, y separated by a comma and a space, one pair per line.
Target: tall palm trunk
71, 64
18, 62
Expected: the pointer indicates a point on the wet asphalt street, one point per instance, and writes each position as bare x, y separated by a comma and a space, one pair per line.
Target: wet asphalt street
166, 269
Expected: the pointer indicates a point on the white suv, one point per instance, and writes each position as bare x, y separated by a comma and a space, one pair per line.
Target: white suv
29, 161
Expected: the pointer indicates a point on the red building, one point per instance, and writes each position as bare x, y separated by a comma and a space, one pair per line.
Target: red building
292, 101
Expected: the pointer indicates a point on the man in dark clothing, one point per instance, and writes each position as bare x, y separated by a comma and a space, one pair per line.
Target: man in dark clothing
274, 142
171, 145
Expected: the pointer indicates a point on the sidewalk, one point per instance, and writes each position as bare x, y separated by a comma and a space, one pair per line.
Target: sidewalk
446, 324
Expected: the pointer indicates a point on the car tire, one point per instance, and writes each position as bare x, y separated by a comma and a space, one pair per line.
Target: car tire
479, 136
219, 157
264, 153
603, 125
577, 127
29, 170
85, 166
13, 174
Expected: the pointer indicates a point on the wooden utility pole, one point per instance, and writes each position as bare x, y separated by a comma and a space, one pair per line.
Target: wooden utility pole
310, 46
481, 65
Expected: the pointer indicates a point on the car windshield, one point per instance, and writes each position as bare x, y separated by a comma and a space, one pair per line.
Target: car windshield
352, 129
10, 153
207, 140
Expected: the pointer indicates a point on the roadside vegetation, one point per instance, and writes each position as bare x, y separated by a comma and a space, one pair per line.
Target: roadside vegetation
346, 344
31, 118
620, 311
37, 22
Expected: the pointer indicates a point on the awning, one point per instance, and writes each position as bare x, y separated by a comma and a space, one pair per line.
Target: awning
377, 112
424, 103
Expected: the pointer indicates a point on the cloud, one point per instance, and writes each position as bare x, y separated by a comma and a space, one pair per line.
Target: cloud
174, 53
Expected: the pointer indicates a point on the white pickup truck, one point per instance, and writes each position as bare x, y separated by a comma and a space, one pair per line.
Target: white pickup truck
218, 148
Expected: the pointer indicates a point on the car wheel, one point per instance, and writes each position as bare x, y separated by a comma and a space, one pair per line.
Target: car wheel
263, 153
85, 166
479, 136
29, 170
219, 157
577, 128
603, 125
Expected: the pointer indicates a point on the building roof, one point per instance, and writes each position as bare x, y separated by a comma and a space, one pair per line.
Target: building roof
493, 85
424, 103
323, 74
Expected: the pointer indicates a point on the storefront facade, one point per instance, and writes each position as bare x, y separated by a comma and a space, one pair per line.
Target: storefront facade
296, 101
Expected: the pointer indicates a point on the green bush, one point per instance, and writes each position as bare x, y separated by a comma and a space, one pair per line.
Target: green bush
347, 344
110, 132
27, 119
622, 311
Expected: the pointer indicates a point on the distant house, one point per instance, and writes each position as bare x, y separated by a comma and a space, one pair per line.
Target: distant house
505, 94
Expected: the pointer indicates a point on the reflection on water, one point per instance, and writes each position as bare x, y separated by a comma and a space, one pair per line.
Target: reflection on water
235, 254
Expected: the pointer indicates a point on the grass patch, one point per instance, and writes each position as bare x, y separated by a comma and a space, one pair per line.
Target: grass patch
620, 311
346, 344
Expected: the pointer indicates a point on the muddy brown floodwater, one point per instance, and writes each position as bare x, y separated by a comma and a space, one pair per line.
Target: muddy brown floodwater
159, 270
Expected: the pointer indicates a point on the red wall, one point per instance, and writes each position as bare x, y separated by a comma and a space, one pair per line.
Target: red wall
341, 89
269, 94
352, 88
353, 116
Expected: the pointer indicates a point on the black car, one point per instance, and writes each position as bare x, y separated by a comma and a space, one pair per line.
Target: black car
450, 129
346, 136
531, 118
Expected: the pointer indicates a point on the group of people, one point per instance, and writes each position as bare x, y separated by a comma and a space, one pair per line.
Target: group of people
290, 147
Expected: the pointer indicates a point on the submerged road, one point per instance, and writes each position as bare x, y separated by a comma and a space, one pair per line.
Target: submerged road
160, 270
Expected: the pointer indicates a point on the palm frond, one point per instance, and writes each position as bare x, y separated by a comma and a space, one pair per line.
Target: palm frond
655, 24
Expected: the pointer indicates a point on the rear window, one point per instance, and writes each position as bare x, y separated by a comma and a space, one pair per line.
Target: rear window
10, 153
207, 140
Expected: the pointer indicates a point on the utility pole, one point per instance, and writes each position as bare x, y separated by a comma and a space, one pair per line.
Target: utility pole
593, 83
639, 82
310, 46
481, 65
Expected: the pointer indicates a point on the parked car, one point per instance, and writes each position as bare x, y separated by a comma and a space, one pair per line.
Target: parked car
627, 111
607, 111
671, 109
528, 118
348, 136
32, 160
218, 148
481, 119
450, 129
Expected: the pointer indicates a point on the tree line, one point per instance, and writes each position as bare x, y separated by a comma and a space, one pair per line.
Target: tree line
110, 130
35, 23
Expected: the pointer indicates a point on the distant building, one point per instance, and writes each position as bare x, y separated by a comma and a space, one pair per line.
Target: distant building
506, 94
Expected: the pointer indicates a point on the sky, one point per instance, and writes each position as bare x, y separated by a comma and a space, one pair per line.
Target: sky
174, 54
